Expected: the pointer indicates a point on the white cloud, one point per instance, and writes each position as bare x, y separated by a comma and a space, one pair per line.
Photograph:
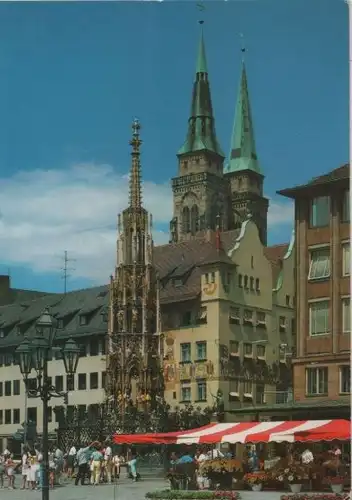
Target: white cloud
280, 212
43, 213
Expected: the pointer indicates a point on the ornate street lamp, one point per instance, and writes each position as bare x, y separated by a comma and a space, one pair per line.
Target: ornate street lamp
34, 354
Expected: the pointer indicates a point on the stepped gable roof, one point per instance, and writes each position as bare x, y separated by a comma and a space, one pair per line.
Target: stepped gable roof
275, 255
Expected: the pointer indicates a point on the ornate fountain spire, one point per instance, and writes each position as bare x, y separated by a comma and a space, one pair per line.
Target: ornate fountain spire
135, 197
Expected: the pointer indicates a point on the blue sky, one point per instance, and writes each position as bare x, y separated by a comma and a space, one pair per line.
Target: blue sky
74, 75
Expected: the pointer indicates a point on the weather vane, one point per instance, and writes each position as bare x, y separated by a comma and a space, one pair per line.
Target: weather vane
243, 46
201, 8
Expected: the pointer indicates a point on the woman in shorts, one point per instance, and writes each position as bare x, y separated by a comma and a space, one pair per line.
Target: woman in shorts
10, 471
25, 468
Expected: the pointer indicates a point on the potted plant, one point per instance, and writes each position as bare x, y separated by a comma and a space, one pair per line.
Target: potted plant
255, 480
219, 472
336, 483
294, 475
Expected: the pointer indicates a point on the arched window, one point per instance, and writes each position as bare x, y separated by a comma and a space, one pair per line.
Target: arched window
194, 219
186, 220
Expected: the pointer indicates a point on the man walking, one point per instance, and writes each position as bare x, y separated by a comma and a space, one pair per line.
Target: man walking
83, 457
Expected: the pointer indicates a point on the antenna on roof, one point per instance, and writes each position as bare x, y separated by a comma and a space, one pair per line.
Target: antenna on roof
66, 270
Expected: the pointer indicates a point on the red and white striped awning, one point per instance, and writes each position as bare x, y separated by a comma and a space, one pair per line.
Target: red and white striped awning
248, 432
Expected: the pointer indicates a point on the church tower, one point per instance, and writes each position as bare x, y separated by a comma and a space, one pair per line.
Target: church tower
243, 170
199, 191
134, 322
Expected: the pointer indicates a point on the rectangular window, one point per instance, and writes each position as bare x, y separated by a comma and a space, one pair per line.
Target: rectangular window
103, 380
32, 414
316, 381
70, 382
59, 383
1, 390
346, 259
320, 211
319, 318
234, 316
82, 410
186, 352
94, 347
261, 320
346, 315
202, 391
234, 347
346, 206
16, 387
1, 417
259, 394
202, 316
345, 379
247, 349
83, 320
186, 393
319, 267
8, 388
247, 387
16, 417
7, 416
82, 381
59, 413
94, 380
248, 316
201, 350
261, 351
282, 324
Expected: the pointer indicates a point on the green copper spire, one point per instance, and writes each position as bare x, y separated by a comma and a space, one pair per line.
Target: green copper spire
201, 133
243, 154
202, 58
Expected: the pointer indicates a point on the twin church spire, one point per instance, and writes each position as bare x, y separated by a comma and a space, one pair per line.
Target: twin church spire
208, 188
201, 134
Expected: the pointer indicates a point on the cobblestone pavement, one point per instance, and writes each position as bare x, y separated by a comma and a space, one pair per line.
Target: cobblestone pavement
124, 490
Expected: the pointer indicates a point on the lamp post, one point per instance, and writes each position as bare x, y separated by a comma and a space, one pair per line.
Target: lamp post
34, 354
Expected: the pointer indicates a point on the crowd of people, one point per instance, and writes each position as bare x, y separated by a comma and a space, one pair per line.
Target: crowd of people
94, 463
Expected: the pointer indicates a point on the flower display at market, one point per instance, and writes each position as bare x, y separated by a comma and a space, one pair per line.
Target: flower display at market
192, 495
294, 474
222, 465
256, 478
316, 496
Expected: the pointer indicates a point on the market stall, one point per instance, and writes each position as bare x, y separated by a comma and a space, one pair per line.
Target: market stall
288, 471
248, 432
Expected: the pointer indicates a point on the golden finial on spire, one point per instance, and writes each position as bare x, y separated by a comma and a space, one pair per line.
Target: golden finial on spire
135, 175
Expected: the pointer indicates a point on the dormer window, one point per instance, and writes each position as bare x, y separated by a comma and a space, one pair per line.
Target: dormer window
2, 334
240, 280
19, 330
251, 283
246, 281
83, 320
60, 323
105, 316
257, 285
178, 282
212, 277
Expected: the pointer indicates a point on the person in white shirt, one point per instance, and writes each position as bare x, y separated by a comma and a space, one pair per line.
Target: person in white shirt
203, 482
25, 468
108, 461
